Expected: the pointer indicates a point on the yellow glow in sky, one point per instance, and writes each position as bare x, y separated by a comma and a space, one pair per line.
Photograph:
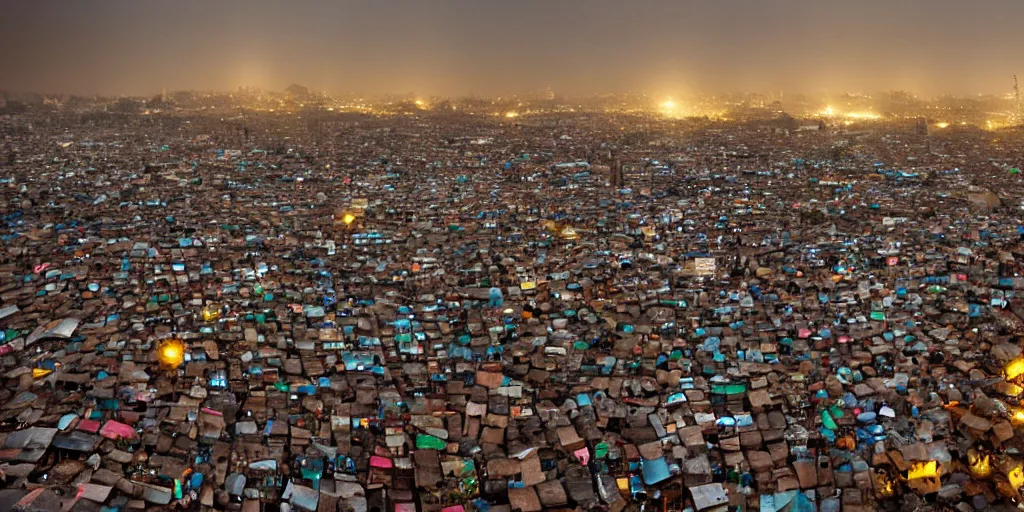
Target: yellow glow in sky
943, 124
510, 115
670, 108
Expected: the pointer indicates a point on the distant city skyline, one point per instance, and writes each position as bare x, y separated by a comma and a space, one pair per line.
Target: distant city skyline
532, 95
463, 47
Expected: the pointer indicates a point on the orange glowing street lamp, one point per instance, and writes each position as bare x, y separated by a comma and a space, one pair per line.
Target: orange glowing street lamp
171, 353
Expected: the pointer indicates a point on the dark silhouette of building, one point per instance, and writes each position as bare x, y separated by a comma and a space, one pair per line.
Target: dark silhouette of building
297, 91
922, 126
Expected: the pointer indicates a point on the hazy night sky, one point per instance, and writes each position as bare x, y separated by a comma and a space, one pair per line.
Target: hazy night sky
504, 46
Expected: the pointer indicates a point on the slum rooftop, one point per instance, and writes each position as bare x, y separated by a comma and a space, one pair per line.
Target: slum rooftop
432, 312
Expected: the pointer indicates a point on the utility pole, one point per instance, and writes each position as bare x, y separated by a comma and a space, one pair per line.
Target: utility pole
1016, 97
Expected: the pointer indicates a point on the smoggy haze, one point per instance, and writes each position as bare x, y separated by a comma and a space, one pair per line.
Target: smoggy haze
459, 47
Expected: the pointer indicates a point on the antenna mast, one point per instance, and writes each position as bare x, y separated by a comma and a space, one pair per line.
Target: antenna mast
1016, 91
1016, 97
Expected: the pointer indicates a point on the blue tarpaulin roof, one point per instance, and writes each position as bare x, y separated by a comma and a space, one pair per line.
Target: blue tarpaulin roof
655, 471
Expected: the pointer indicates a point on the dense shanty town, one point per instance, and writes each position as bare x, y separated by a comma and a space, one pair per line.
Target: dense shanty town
500, 305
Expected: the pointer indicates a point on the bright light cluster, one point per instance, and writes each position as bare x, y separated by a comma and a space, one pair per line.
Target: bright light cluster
829, 111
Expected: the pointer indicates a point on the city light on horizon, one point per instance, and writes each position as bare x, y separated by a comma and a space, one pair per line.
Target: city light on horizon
670, 108
830, 111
